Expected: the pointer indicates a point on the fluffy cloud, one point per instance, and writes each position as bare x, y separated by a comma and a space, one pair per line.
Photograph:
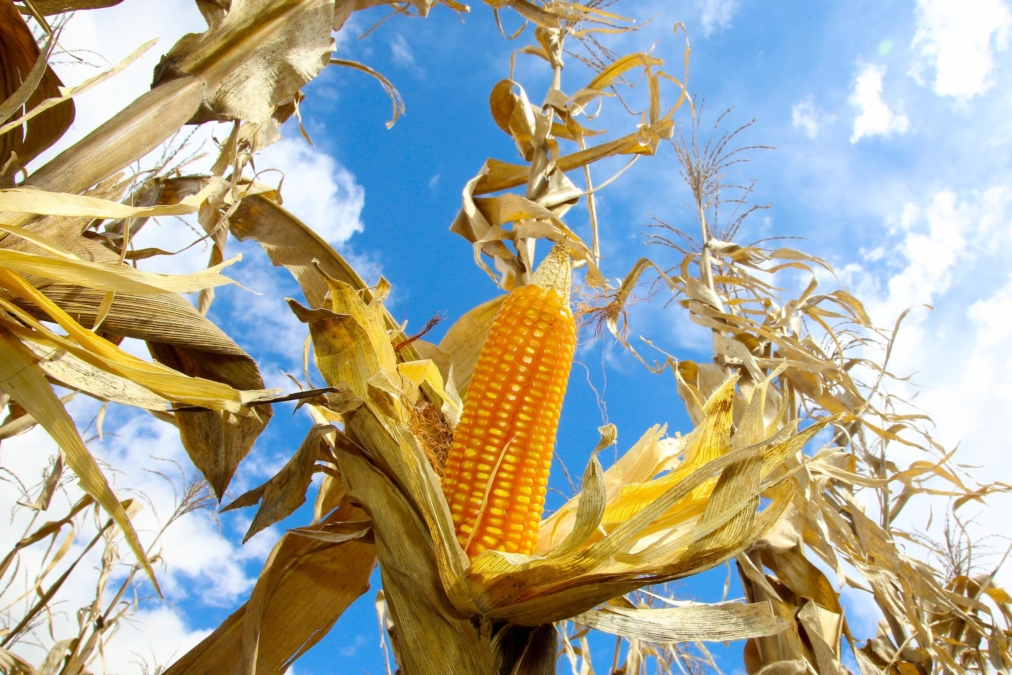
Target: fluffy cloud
932, 240
323, 194
400, 52
133, 650
874, 117
144, 460
807, 118
958, 41
951, 253
716, 15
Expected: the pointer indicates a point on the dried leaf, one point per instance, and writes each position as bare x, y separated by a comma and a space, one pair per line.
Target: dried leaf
716, 623
286, 490
25, 81
72, 372
126, 137
463, 341
59, 6
300, 595
257, 57
216, 445
442, 639
22, 379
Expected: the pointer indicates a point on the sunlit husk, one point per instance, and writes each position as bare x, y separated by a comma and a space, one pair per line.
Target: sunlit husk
673, 529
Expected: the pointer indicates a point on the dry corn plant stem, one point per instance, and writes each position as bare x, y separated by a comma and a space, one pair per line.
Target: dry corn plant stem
595, 245
705, 265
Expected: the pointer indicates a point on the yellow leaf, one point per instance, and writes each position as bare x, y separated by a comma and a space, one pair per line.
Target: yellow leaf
21, 378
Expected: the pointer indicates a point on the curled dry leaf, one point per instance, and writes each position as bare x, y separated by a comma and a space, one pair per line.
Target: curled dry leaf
23, 380
305, 586
286, 491
254, 59
720, 621
26, 80
549, 192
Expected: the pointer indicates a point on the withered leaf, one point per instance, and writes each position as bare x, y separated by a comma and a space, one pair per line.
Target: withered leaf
22, 63
286, 490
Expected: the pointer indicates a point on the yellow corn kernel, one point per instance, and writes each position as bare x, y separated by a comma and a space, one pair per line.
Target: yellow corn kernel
511, 427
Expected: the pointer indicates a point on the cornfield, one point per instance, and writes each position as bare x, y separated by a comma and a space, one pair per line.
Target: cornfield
789, 473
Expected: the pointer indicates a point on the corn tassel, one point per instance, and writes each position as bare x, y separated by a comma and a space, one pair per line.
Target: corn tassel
497, 469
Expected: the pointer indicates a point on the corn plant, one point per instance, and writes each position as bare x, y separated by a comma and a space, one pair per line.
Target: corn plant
435, 455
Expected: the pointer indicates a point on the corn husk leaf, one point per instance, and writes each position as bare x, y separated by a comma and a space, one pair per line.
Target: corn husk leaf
123, 279
70, 371
47, 7
202, 77
463, 340
313, 262
99, 352
303, 589
717, 622
24, 381
126, 137
215, 444
12, 664
254, 59
186, 341
286, 490
411, 581
24, 200
27, 80
288, 242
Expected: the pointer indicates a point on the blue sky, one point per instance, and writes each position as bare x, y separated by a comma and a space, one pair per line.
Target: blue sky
892, 142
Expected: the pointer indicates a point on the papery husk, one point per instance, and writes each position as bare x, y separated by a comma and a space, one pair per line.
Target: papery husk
24, 381
305, 586
60, 6
26, 80
385, 469
286, 491
259, 55
719, 621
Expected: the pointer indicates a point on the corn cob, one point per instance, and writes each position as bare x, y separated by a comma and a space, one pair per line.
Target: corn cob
496, 472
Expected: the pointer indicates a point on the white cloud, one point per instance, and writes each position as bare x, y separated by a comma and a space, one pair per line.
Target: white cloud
716, 15
953, 253
352, 649
930, 251
400, 52
958, 41
322, 193
403, 56
198, 563
874, 116
807, 118
132, 649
